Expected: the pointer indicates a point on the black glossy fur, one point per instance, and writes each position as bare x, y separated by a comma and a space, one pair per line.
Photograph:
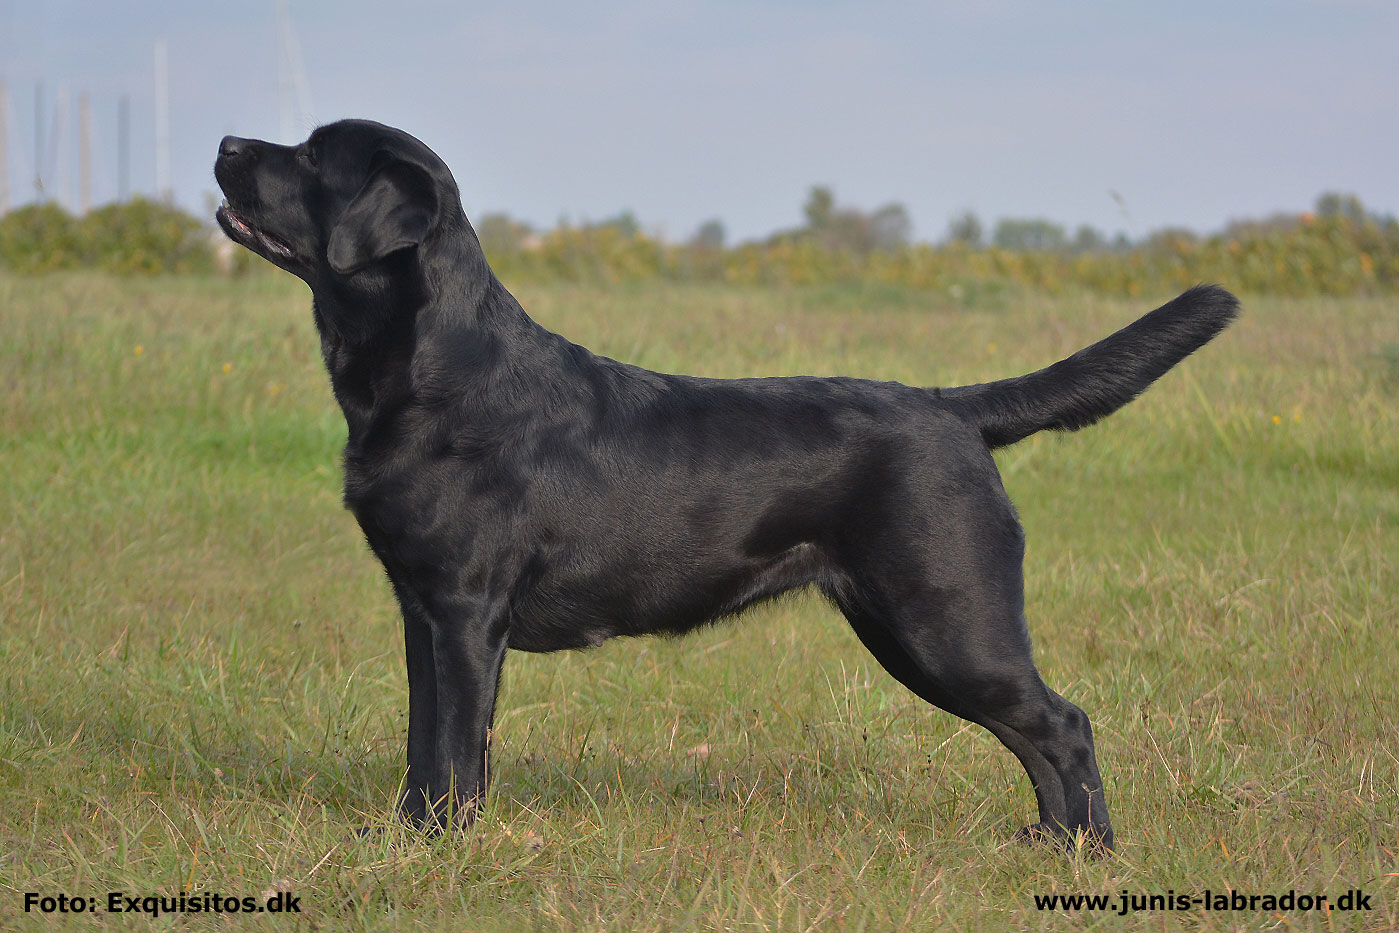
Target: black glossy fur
524, 493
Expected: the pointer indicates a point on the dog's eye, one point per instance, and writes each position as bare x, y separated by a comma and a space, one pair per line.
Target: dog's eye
311, 156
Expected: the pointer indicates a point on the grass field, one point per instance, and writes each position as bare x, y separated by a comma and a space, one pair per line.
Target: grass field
201, 683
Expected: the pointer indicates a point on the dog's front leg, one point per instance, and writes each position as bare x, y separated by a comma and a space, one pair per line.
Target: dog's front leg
468, 649
422, 708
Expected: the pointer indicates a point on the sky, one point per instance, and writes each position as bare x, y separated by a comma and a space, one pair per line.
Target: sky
1126, 116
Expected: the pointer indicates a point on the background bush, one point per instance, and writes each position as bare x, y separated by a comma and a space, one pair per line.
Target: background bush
40, 238
143, 236
135, 237
1340, 249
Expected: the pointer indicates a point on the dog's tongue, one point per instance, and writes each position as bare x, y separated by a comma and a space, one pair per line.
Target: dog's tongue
234, 219
265, 239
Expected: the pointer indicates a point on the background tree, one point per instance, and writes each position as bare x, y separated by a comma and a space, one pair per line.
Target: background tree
820, 205
1335, 204
710, 235
890, 227
624, 223
1089, 239
966, 229
851, 229
1035, 234
500, 234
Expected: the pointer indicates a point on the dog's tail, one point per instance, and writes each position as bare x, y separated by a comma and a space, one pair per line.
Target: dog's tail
1097, 380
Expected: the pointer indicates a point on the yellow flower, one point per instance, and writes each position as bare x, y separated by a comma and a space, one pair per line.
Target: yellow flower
1277, 419
138, 350
228, 367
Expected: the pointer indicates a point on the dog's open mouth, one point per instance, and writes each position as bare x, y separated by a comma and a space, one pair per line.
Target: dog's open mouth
241, 230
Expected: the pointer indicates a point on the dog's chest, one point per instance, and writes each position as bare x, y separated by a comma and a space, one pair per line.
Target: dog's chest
433, 514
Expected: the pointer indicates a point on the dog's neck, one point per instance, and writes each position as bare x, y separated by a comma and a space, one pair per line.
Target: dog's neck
431, 348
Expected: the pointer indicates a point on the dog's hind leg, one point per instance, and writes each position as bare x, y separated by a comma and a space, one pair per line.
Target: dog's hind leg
969, 654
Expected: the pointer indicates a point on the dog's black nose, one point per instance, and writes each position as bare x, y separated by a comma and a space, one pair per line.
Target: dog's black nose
233, 146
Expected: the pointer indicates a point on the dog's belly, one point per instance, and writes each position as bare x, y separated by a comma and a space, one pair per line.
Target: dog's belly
584, 609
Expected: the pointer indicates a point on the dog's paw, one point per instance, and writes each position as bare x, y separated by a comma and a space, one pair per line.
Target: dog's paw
1095, 840
1038, 834
442, 817
371, 832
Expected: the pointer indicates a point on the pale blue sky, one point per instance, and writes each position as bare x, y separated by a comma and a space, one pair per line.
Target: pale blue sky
679, 110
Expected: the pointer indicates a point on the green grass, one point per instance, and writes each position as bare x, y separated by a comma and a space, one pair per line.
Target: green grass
201, 682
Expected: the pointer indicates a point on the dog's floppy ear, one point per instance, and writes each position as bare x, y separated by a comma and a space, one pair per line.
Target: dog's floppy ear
394, 210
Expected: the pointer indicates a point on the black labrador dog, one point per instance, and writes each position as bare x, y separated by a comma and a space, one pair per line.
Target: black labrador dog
525, 493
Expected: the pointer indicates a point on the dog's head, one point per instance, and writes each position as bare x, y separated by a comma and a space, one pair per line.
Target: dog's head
348, 210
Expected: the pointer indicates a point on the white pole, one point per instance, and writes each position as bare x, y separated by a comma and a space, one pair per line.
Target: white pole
123, 149
4, 148
284, 76
292, 86
56, 166
163, 189
84, 153
39, 141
